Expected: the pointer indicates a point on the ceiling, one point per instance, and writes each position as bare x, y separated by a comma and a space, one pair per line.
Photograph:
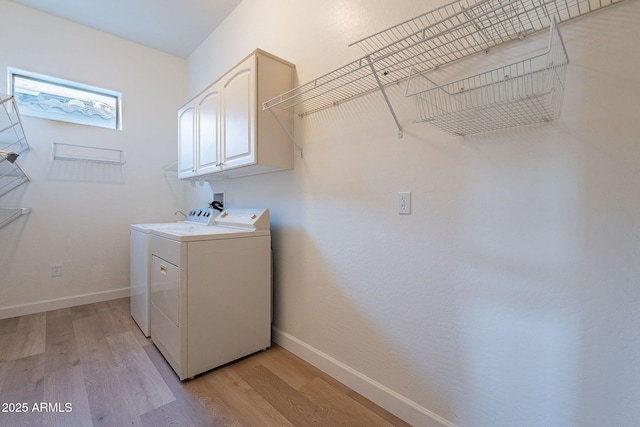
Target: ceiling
172, 26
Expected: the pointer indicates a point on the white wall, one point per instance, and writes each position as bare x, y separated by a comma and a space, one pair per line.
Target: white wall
510, 296
81, 212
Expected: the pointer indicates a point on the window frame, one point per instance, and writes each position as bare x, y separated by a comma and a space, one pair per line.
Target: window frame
69, 86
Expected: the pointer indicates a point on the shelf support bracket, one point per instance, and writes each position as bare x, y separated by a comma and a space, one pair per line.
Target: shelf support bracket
386, 98
286, 131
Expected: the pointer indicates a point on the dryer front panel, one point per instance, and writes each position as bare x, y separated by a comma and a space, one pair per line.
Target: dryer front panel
165, 288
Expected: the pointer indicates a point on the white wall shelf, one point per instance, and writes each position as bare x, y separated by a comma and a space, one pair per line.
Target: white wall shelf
426, 42
523, 92
12, 136
8, 215
171, 167
11, 175
12, 142
80, 153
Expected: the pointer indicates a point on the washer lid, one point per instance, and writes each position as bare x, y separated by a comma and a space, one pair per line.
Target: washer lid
195, 233
147, 228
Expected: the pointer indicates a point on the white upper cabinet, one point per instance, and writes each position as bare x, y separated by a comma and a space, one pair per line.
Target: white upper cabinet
223, 132
240, 114
209, 131
187, 141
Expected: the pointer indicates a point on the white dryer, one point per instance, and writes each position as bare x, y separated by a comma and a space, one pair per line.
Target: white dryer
211, 290
140, 261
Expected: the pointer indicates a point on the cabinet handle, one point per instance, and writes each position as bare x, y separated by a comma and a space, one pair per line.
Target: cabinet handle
163, 269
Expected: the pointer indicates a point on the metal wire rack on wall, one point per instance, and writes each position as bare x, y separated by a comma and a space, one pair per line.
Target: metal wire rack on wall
431, 40
524, 92
12, 143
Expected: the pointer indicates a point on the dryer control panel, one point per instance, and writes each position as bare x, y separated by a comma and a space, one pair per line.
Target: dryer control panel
247, 219
202, 216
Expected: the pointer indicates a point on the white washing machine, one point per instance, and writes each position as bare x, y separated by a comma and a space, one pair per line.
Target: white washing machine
211, 290
140, 261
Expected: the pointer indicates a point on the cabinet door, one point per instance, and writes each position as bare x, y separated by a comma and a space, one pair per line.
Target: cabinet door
239, 113
209, 132
187, 141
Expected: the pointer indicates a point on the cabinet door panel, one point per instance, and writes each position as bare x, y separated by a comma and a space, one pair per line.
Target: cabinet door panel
239, 116
209, 110
186, 141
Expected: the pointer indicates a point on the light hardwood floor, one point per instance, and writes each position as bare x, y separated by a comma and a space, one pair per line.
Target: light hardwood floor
91, 366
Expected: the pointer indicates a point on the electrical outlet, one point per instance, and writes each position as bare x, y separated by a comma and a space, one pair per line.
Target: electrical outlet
56, 270
404, 203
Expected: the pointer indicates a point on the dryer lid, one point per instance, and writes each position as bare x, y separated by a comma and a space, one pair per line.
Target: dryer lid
247, 219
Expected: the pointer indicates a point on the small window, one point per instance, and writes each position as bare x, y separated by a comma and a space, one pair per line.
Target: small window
47, 97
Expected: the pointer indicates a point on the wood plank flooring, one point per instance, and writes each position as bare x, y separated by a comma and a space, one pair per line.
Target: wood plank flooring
91, 366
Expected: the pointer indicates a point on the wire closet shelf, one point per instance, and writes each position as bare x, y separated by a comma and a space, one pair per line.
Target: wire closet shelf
439, 37
12, 136
12, 142
524, 92
11, 176
82, 153
8, 215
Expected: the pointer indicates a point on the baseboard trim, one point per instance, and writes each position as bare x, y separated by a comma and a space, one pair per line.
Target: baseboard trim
58, 303
400, 406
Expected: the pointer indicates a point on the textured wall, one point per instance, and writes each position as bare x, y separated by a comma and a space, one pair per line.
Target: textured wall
81, 212
509, 297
